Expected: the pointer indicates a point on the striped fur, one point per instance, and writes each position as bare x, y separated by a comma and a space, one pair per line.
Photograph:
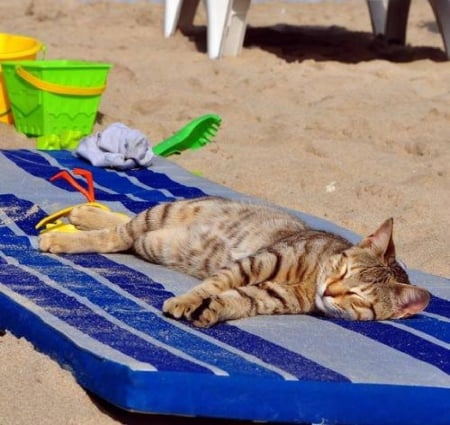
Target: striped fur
252, 260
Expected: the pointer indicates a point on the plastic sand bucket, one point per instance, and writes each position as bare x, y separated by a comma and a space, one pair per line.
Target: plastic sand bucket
56, 96
14, 47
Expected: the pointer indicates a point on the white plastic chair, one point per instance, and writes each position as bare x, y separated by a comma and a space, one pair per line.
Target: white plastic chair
226, 23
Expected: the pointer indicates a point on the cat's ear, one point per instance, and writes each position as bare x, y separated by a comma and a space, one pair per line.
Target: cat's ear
381, 242
409, 300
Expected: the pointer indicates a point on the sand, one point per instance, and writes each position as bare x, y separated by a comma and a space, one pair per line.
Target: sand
317, 116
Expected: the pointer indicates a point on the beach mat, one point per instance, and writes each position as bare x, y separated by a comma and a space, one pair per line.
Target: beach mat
99, 316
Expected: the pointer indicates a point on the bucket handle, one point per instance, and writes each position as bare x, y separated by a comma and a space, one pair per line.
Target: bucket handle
6, 112
42, 51
58, 88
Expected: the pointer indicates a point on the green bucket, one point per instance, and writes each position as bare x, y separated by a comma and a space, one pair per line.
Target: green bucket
52, 97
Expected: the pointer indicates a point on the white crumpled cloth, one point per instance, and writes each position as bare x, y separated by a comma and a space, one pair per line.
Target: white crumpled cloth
117, 146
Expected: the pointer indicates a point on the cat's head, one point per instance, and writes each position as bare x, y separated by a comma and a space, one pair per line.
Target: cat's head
365, 282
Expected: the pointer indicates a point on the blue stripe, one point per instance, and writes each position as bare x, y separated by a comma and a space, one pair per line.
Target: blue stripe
38, 166
147, 177
402, 340
439, 306
120, 307
23, 213
133, 314
430, 326
79, 316
162, 181
64, 306
110, 179
153, 293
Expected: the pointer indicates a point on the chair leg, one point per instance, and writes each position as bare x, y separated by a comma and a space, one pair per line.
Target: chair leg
217, 15
441, 9
378, 12
171, 16
390, 18
236, 26
397, 20
187, 14
178, 14
226, 26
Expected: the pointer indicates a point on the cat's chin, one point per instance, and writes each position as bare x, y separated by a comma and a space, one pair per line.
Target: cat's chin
318, 299
328, 309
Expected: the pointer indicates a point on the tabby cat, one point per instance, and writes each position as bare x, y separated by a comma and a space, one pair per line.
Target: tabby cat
253, 259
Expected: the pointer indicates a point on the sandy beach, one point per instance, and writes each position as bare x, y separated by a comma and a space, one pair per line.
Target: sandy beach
318, 116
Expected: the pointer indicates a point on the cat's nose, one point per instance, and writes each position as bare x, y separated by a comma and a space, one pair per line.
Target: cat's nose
334, 290
327, 292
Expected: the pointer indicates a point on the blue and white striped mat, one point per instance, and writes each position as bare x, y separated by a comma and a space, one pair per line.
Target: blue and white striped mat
100, 317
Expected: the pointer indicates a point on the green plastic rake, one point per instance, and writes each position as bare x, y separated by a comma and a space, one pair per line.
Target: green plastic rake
194, 135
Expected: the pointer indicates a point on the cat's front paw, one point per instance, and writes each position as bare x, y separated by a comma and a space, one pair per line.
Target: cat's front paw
52, 242
62, 242
207, 313
181, 307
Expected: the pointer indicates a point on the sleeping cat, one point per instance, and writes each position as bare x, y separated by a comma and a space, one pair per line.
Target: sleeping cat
253, 259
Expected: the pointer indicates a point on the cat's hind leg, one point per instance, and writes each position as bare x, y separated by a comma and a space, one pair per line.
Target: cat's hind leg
176, 247
111, 239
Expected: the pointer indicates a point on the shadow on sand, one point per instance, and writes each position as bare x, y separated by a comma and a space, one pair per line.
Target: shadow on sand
298, 43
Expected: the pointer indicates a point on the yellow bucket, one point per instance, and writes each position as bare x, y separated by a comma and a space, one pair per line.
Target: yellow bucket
14, 47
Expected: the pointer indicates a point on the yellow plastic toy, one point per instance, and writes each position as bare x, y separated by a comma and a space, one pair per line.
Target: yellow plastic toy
54, 222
